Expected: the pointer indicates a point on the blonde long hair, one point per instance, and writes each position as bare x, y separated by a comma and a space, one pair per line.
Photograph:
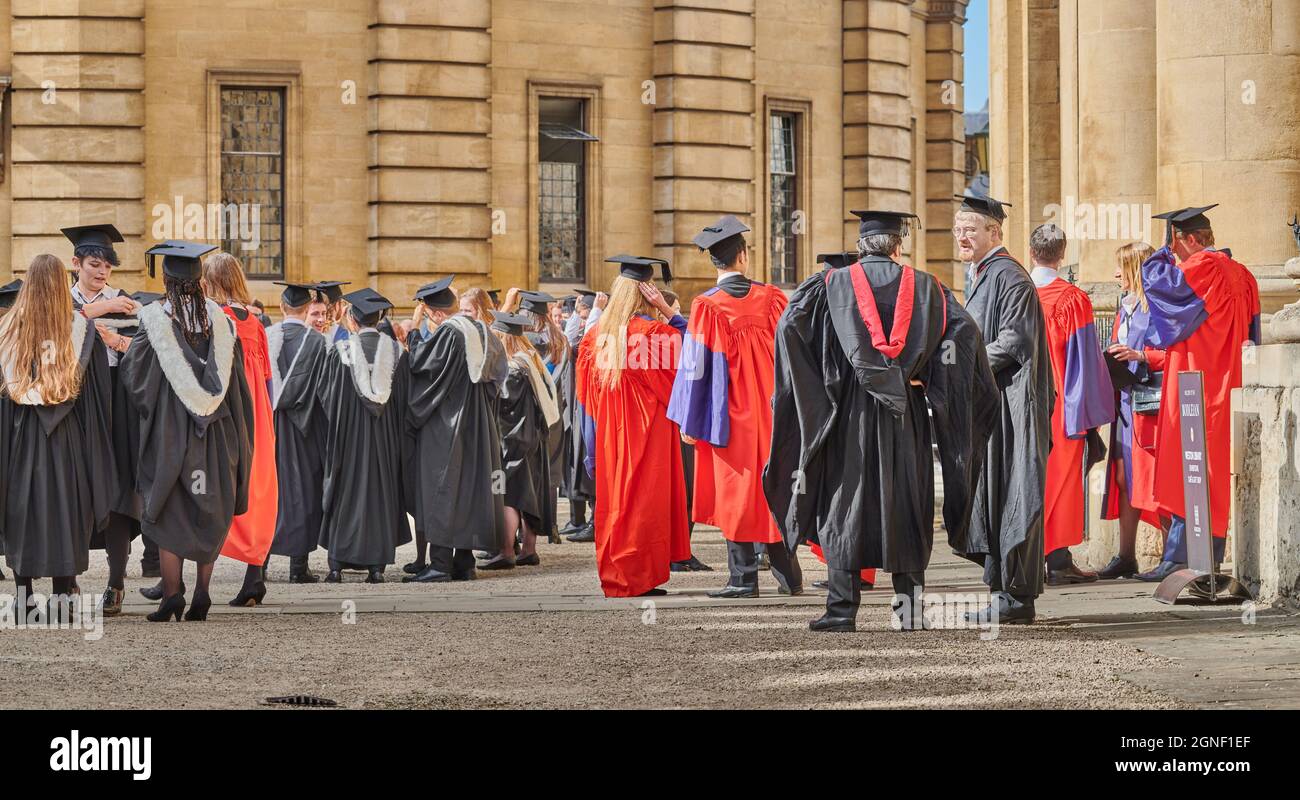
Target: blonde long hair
1130, 258
36, 335
481, 301
625, 301
223, 280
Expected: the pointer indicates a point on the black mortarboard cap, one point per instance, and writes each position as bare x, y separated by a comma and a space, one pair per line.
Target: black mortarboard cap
367, 304
980, 204
93, 235
181, 259
495, 296
567, 303
837, 260
638, 268
723, 239
296, 294
513, 324
535, 302
9, 293
1188, 219
331, 289
586, 296
877, 222
437, 294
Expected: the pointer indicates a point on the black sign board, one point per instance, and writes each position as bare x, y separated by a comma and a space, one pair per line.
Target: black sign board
1196, 487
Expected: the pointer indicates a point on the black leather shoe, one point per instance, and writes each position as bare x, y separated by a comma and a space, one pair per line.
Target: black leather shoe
653, 593
1119, 567
730, 592
498, 561
334, 576
375, 575
155, 592
171, 607
1163, 570
414, 567
795, 592
1071, 575
828, 624
572, 527
691, 564
1008, 610
427, 575
111, 603
587, 534
249, 597
530, 560
199, 608
304, 577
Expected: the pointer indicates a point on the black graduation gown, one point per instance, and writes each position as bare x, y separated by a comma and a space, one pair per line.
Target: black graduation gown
851, 451
456, 453
57, 476
524, 454
298, 361
193, 444
1009, 502
364, 512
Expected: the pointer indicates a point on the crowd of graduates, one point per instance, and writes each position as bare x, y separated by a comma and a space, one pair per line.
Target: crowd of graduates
188, 420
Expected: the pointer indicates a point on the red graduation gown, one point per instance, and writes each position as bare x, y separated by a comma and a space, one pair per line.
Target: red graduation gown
1085, 399
722, 397
252, 532
1231, 300
640, 518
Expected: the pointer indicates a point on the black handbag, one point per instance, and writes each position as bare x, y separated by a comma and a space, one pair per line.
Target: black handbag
1146, 395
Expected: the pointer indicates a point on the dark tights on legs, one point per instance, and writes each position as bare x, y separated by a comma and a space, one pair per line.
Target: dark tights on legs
170, 565
117, 544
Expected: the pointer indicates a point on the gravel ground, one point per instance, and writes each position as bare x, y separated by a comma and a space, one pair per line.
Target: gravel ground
743, 656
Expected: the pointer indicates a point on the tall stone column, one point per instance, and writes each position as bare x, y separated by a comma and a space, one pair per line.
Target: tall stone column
877, 109
944, 135
704, 129
1113, 161
78, 120
1228, 104
430, 151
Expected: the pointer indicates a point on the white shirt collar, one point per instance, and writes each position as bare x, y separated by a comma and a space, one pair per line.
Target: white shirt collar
1043, 275
106, 293
728, 275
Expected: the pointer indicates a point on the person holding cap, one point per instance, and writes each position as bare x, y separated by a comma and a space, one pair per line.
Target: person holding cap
626, 367
1006, 534
1204, 310
871, 359
363, 392
193, 445
721, 399
458, 371
297, 359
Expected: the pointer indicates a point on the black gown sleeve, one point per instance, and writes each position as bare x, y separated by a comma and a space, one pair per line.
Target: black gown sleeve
95, 409
963, 395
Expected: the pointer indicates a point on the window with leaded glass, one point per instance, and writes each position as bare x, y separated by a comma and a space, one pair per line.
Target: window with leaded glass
561, 194
252, 176
783, 198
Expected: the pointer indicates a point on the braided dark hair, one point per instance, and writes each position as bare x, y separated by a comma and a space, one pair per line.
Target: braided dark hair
189, 307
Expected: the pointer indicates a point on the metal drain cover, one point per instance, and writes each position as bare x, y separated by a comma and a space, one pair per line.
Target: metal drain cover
301, 700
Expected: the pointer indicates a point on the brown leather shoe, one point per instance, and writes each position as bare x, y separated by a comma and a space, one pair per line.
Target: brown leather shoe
1065, 577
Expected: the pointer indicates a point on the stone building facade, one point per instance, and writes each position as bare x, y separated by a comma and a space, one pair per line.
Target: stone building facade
1109, 107
512, 142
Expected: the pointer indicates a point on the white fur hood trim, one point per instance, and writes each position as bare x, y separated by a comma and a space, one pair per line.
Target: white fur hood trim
543, 386
162, 336
373, 381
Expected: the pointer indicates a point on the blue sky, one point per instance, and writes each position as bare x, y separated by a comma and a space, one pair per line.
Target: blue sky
977, 54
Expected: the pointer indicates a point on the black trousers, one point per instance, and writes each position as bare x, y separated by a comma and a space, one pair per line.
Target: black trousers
452, 562
1059, 559
150, 556
297, 565
844, 593
742, 563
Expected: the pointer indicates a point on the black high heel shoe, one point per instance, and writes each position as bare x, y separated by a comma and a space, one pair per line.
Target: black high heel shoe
250, 598
199, 608
172, 606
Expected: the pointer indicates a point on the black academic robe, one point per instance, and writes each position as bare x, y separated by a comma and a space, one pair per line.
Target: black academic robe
297, 363
457, 374
57, 476
851, 460
363, 393
525, 456
193, 444
1009, 501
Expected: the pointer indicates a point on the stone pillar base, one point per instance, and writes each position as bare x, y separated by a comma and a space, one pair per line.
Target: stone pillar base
1266, 474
